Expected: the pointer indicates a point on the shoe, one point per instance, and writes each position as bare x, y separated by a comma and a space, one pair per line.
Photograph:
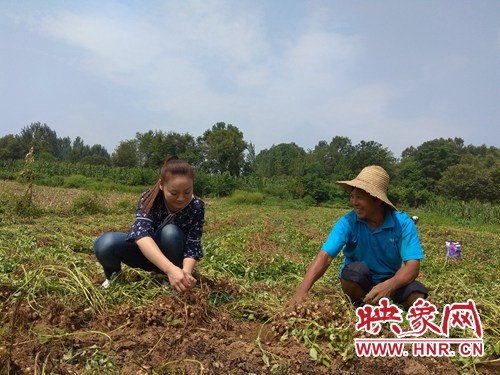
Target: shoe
114, 277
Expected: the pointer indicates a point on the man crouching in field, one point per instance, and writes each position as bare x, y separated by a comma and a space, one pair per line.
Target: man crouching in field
381, 247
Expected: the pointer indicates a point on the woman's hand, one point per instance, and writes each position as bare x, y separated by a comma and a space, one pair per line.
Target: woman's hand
190, 277
181, 280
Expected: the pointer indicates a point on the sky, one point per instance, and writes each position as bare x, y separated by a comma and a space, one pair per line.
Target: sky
396, 72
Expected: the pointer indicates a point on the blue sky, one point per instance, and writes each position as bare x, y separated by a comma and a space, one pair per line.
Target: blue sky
396, 72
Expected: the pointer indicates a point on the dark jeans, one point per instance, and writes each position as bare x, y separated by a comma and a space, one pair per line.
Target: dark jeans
112, 248
359, 273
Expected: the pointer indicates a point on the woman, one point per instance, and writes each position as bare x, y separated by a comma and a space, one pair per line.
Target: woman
166, 235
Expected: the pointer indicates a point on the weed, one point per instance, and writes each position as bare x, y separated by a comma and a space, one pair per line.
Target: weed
466, 212
253, 260
87, 204
246, 197
27, 175
95, 361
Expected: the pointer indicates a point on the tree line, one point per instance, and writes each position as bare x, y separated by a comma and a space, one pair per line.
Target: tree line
225, 161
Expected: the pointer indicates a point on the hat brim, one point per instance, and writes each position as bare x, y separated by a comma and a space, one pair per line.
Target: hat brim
369, 189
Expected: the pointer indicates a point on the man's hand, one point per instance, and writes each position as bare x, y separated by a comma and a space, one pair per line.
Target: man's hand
379, 291
298, 297
316, 269
404, 276
181, 280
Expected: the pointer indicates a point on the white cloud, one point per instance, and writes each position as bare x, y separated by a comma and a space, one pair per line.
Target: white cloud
193, 43
362, 105
109, 46
230, 47
305, 78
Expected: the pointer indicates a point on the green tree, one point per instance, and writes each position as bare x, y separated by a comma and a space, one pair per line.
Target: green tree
95, 159
182, 145
250, 160
98, 150
126, 154
315, 187
408, 174
41, 137
469, 182
64, 149
155, 146
371, 153
435, 156
409, 152
11, 148
79, 150
408, 185
223, 149
285, 159
149, 148
334, 157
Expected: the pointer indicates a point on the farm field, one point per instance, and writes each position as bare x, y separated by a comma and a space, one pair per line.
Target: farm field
56, 320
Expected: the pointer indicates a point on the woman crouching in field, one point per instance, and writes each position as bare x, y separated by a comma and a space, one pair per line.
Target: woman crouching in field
166, 235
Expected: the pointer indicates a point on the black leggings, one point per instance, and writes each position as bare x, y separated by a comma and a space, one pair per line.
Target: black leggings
112, 248
359, 273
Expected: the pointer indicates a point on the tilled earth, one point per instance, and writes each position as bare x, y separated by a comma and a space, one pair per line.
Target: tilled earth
174, 335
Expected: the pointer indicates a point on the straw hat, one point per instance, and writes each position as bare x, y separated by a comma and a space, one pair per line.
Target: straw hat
374, 180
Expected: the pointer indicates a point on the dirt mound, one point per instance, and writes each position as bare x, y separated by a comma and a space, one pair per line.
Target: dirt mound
175, 334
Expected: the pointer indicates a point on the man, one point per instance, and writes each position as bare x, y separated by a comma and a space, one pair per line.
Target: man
381, 247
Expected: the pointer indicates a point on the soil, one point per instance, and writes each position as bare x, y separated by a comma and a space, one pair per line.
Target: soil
175, 335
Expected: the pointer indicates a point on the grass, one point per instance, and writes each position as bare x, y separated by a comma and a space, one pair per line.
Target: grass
274, 245
260, 250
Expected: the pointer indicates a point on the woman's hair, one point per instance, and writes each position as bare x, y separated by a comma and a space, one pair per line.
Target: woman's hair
173, 166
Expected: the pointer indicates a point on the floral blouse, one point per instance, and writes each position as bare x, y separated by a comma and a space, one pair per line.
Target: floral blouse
190, 220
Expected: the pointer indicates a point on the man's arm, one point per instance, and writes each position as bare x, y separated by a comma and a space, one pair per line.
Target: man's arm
405, 275
316, 269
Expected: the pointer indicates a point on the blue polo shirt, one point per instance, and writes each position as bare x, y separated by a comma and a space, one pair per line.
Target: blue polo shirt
382, 250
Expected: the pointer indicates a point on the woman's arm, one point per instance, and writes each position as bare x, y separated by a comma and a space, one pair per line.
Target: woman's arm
179, 279
188, 265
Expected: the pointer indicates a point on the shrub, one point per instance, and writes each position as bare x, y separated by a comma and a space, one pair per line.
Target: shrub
409, 196
224, 184
126, 205
88, 204
203, 184
77, 181
317, 188
141, 176
309, 201
295, 204
281, 187
246, 197
19, 205
469, 182
7, 175
477, 212
53, 181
